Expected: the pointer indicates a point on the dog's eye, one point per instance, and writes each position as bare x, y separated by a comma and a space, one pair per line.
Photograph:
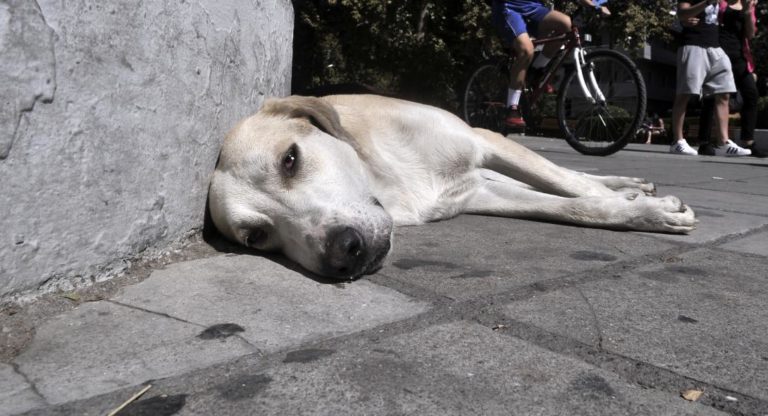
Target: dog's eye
290, 161
255, 237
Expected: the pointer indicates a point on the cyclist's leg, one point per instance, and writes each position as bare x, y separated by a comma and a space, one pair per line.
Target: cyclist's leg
512, 28
552, 24
523, 50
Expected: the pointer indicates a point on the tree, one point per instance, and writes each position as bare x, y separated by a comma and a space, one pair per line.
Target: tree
414, 48
632, 22
423, 49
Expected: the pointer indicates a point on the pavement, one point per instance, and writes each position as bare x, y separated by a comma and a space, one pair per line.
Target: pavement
475, 315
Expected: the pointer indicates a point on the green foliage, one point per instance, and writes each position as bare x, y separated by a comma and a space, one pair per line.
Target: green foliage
417, 48
639, 21
631, 23
424, 49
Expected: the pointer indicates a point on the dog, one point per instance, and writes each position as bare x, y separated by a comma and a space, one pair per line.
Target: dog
325, 180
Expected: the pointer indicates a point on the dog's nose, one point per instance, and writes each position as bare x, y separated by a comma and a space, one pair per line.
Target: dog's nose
345, 252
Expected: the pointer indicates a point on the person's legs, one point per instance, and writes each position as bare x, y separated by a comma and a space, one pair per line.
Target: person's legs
721, 117
720, 83
678, 116
745, 83
690, 78
679, 144
748, 88
705, 120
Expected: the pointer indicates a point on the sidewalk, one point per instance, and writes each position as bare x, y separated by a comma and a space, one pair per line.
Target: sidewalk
472, 316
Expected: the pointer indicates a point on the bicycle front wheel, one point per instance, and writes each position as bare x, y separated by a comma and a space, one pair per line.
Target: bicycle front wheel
485, 96
600, 120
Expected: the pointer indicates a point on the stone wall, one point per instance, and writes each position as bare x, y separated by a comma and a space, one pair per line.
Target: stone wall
111, 116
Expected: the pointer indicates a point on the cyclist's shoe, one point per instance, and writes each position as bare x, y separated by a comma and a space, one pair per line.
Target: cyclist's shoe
514, 118
681, 147
534, 76
731, 149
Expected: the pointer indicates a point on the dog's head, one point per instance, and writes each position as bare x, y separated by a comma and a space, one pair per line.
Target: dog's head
289, 179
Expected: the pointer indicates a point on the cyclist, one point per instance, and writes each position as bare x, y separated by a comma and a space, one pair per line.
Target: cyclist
514, 20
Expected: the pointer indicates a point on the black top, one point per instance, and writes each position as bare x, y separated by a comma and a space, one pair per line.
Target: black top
732, 32
704, 34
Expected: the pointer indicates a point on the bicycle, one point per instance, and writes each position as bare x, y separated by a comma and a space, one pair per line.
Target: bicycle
600, 101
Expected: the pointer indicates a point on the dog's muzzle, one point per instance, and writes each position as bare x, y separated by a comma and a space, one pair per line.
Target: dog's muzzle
348, 255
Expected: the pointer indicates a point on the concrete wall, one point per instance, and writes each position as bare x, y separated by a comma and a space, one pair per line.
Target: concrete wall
111, 116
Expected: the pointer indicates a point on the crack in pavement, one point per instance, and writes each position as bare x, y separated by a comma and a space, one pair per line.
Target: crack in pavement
595, 321
165, 315
32, 385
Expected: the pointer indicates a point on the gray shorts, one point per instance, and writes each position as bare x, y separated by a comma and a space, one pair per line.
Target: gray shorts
703, 71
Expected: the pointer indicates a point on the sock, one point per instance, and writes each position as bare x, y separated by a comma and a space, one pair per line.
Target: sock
541, 61
513, 97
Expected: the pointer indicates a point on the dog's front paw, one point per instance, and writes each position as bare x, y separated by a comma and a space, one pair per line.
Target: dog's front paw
668, 214
628, 184
648, 188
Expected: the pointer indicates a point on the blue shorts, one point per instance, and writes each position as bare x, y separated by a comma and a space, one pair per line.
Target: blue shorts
512, 18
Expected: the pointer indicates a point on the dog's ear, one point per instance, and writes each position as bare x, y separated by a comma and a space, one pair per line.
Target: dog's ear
321, 114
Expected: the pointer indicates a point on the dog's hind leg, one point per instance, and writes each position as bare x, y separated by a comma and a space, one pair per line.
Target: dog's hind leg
518, 162
616, 211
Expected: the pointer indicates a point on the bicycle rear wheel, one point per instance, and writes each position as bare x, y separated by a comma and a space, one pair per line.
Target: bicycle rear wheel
601, 128
485, 95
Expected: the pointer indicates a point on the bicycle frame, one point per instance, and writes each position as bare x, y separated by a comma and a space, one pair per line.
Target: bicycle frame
595, 118
573, 46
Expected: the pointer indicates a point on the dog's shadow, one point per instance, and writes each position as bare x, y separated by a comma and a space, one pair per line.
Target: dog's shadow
221, 244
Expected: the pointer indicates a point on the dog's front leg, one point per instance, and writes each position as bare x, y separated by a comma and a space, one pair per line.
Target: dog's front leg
624, 183
615, 211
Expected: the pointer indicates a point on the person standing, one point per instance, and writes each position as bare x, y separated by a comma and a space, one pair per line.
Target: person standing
738, 25
702, 69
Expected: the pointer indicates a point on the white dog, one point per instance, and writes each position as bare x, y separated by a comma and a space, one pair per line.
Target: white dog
325, 179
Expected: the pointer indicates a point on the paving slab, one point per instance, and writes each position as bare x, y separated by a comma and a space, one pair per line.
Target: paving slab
747, 178
756, 244
714, 224
654, 163
702, 315
708, 202
16, 394
470, 256
709, 184
458, 368
100, 346
276, 306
